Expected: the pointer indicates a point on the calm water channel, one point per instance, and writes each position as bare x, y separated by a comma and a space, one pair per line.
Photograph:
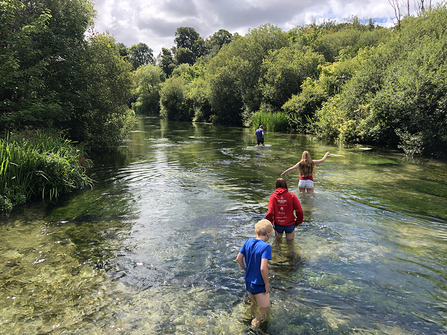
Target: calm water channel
151, 249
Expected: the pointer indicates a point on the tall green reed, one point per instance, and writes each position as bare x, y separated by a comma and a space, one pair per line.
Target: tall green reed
39, 164
270, 121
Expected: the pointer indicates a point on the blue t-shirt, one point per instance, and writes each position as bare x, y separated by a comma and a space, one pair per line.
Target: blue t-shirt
259, 133
254, 251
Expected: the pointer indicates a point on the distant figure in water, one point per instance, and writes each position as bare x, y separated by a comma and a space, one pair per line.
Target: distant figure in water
285, 212
306, 167
259, 134
253, 258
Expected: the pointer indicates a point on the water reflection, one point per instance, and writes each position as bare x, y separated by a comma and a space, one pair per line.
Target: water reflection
151, 249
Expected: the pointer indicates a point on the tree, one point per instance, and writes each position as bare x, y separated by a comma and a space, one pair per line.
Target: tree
173, 100
122, 50
241, 61
284, 71
217, 41
139, 55
188, 38
166, 61
148, 81
42, 50
106, 119
184, 56
300, 109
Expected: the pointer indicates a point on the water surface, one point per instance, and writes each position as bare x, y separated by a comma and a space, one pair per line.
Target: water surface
151, 249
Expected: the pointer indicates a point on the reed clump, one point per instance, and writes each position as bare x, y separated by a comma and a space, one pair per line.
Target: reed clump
39, 164
270, 121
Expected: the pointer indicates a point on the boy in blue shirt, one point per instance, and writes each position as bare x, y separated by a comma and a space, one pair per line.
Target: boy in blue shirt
257, 252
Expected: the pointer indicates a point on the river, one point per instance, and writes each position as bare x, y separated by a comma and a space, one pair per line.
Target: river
151, 248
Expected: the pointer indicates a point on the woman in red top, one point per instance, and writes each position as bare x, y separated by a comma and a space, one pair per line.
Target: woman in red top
306, 167
285, 212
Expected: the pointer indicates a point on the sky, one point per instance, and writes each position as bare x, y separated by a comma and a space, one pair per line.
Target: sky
155, 22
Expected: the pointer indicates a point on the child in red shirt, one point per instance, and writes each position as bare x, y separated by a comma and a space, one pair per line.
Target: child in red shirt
285, 212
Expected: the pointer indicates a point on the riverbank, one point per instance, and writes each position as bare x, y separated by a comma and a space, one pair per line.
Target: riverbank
39, 164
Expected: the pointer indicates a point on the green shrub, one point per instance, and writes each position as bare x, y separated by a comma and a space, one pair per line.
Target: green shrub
300, 109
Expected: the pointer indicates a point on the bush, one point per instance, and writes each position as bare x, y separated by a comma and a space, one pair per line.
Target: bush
300, 109
173, 100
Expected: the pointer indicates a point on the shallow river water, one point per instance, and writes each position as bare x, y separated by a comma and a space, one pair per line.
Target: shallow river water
151, 248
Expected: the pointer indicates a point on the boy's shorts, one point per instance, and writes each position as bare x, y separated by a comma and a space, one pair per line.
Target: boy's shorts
260, 142
254, 289
303, 183
281, 229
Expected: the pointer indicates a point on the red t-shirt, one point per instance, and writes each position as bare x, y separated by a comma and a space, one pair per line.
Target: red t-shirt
282, 205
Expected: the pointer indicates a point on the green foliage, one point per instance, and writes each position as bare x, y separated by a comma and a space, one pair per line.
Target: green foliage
334, 76
166, 61
200, 97
174, 101
189, 45
184, 56
234, 73
38, 164
397, 95
411, 144
54, 77
148, 81
300, 109
284, 71
139, 55
217, 41
124, 52
330, 38
106, 119
270, 121
226, 84
42, 44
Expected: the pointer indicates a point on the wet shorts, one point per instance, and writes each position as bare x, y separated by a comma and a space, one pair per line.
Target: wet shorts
260, 142
253, 288
303, 183
281, 229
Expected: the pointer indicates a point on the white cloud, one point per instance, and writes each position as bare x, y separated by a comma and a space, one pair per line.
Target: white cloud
155, 22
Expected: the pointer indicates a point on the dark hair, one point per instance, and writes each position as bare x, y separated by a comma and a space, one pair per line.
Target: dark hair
280, 182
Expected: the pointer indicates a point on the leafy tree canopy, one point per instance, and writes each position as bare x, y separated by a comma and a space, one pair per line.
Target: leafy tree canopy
140, 54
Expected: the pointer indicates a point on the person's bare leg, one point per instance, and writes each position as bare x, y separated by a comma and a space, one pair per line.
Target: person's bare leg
290, 236
263, 301
278, 235
310, 190
302, 190
253, 304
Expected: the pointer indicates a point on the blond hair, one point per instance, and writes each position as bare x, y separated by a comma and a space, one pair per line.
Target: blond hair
263, 227
307, 165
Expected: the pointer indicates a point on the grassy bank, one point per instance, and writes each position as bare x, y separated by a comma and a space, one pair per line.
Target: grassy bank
37, 164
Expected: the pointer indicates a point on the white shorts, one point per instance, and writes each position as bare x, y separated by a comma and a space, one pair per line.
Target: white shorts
303, 183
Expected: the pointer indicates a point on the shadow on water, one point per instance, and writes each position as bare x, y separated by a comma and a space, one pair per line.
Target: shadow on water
151, 249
